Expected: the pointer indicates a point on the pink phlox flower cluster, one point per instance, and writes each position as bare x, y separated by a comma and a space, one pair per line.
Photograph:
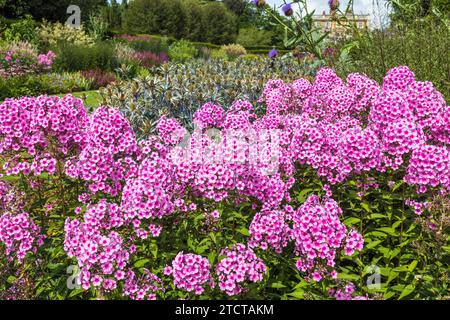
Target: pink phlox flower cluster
346, 293
239, 265
110, 155
365, 89
40, 131
209, 115
319, 236
269, 229
191, 272
46, 60
143, 287
419, 207
429, 166
101, 253
239, 116
19, 235
170, 131
152, 193
277, 96
399, 139
398, 78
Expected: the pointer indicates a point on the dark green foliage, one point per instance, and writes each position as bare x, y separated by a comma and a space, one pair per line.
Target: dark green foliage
212, 22
35, 85
51, 10
74, 58
153, 46
219, 24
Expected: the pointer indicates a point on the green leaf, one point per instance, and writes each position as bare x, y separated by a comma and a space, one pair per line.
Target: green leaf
352, 220
407, 291
213, 237
412, 265
302, 195
373, 244
392, 276
211, 257
347, 276
141, 263
278, 285
376, 234
376, 216
244, 231
299, 294
366, 207
11, 279
390, 231
446, 248
394, 253
398, 185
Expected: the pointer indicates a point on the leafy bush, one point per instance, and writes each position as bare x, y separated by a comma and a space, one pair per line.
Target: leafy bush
182, 50
252, 37
219, 24
97, 27
179, 89
234, 50
23, 30
34, 85
72, 57
51, 34
421, 45
219, 54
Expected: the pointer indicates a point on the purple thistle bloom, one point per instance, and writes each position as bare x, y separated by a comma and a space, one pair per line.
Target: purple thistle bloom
333, 4
259, 3
287, 9
273, 53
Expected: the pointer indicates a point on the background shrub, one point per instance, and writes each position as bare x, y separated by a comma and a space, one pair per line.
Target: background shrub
234, 50
211, 22
50, 34
252, 36
72, 57
22, 30
219, 54
182, 50
34, 85
421, 45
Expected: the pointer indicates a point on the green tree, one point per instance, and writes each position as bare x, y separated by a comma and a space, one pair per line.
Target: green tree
51, 10
141, 16
194, 15
219, 24
212, 22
